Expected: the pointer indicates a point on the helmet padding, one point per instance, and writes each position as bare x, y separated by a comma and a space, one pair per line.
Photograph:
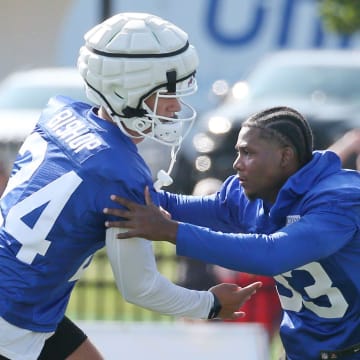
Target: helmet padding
128, 57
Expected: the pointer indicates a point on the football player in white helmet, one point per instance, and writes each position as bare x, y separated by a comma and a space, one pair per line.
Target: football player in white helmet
137, 68
130, 64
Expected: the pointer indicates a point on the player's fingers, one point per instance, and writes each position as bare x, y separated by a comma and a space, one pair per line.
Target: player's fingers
165, 213
117, 212
115, 224
245, 293
126, 234
251, 289
238, 315
148, 200
126, 224
122, 201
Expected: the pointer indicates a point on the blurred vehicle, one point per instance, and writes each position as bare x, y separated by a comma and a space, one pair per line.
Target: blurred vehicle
23, 95
324, 85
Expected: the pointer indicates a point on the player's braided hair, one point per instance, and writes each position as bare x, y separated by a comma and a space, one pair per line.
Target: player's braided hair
288, 127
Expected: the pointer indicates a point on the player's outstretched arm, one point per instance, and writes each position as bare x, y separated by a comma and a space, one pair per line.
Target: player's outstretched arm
145, 221
136, 275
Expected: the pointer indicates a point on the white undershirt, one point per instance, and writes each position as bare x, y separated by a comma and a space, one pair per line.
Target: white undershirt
139, 281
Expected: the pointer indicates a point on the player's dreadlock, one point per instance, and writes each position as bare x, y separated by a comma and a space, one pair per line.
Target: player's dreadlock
287, 126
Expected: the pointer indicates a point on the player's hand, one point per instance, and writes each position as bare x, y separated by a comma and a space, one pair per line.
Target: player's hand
146, 221
232, 297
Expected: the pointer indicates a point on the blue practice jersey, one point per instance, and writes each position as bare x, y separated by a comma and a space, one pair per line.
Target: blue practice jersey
309, 240
52, 208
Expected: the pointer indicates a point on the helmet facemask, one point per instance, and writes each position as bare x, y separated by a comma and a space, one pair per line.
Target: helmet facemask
163, 129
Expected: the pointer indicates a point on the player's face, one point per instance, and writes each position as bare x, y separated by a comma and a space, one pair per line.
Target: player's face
161, 106
259, 165
166, 106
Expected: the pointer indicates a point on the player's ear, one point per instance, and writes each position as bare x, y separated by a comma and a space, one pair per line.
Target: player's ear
288, 156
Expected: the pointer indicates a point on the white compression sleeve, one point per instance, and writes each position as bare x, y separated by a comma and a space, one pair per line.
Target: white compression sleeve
139, 281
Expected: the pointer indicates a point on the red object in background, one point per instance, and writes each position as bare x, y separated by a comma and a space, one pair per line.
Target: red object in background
263, 307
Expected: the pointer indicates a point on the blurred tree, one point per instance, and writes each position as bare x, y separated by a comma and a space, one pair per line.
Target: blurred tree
340, 16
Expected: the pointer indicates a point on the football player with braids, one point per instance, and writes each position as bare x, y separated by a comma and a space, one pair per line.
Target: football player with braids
137, 68
289, 212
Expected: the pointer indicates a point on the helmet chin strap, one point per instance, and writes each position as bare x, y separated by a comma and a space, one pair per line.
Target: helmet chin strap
163, 177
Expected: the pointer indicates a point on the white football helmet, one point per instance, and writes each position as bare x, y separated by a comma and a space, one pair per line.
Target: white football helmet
131, 56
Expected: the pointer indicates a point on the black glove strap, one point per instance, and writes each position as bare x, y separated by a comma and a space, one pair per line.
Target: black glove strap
216, 308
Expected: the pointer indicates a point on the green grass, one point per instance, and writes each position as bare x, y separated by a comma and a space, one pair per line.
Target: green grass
276, 348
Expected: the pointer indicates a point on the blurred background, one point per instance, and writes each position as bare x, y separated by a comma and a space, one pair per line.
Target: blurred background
253, 54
